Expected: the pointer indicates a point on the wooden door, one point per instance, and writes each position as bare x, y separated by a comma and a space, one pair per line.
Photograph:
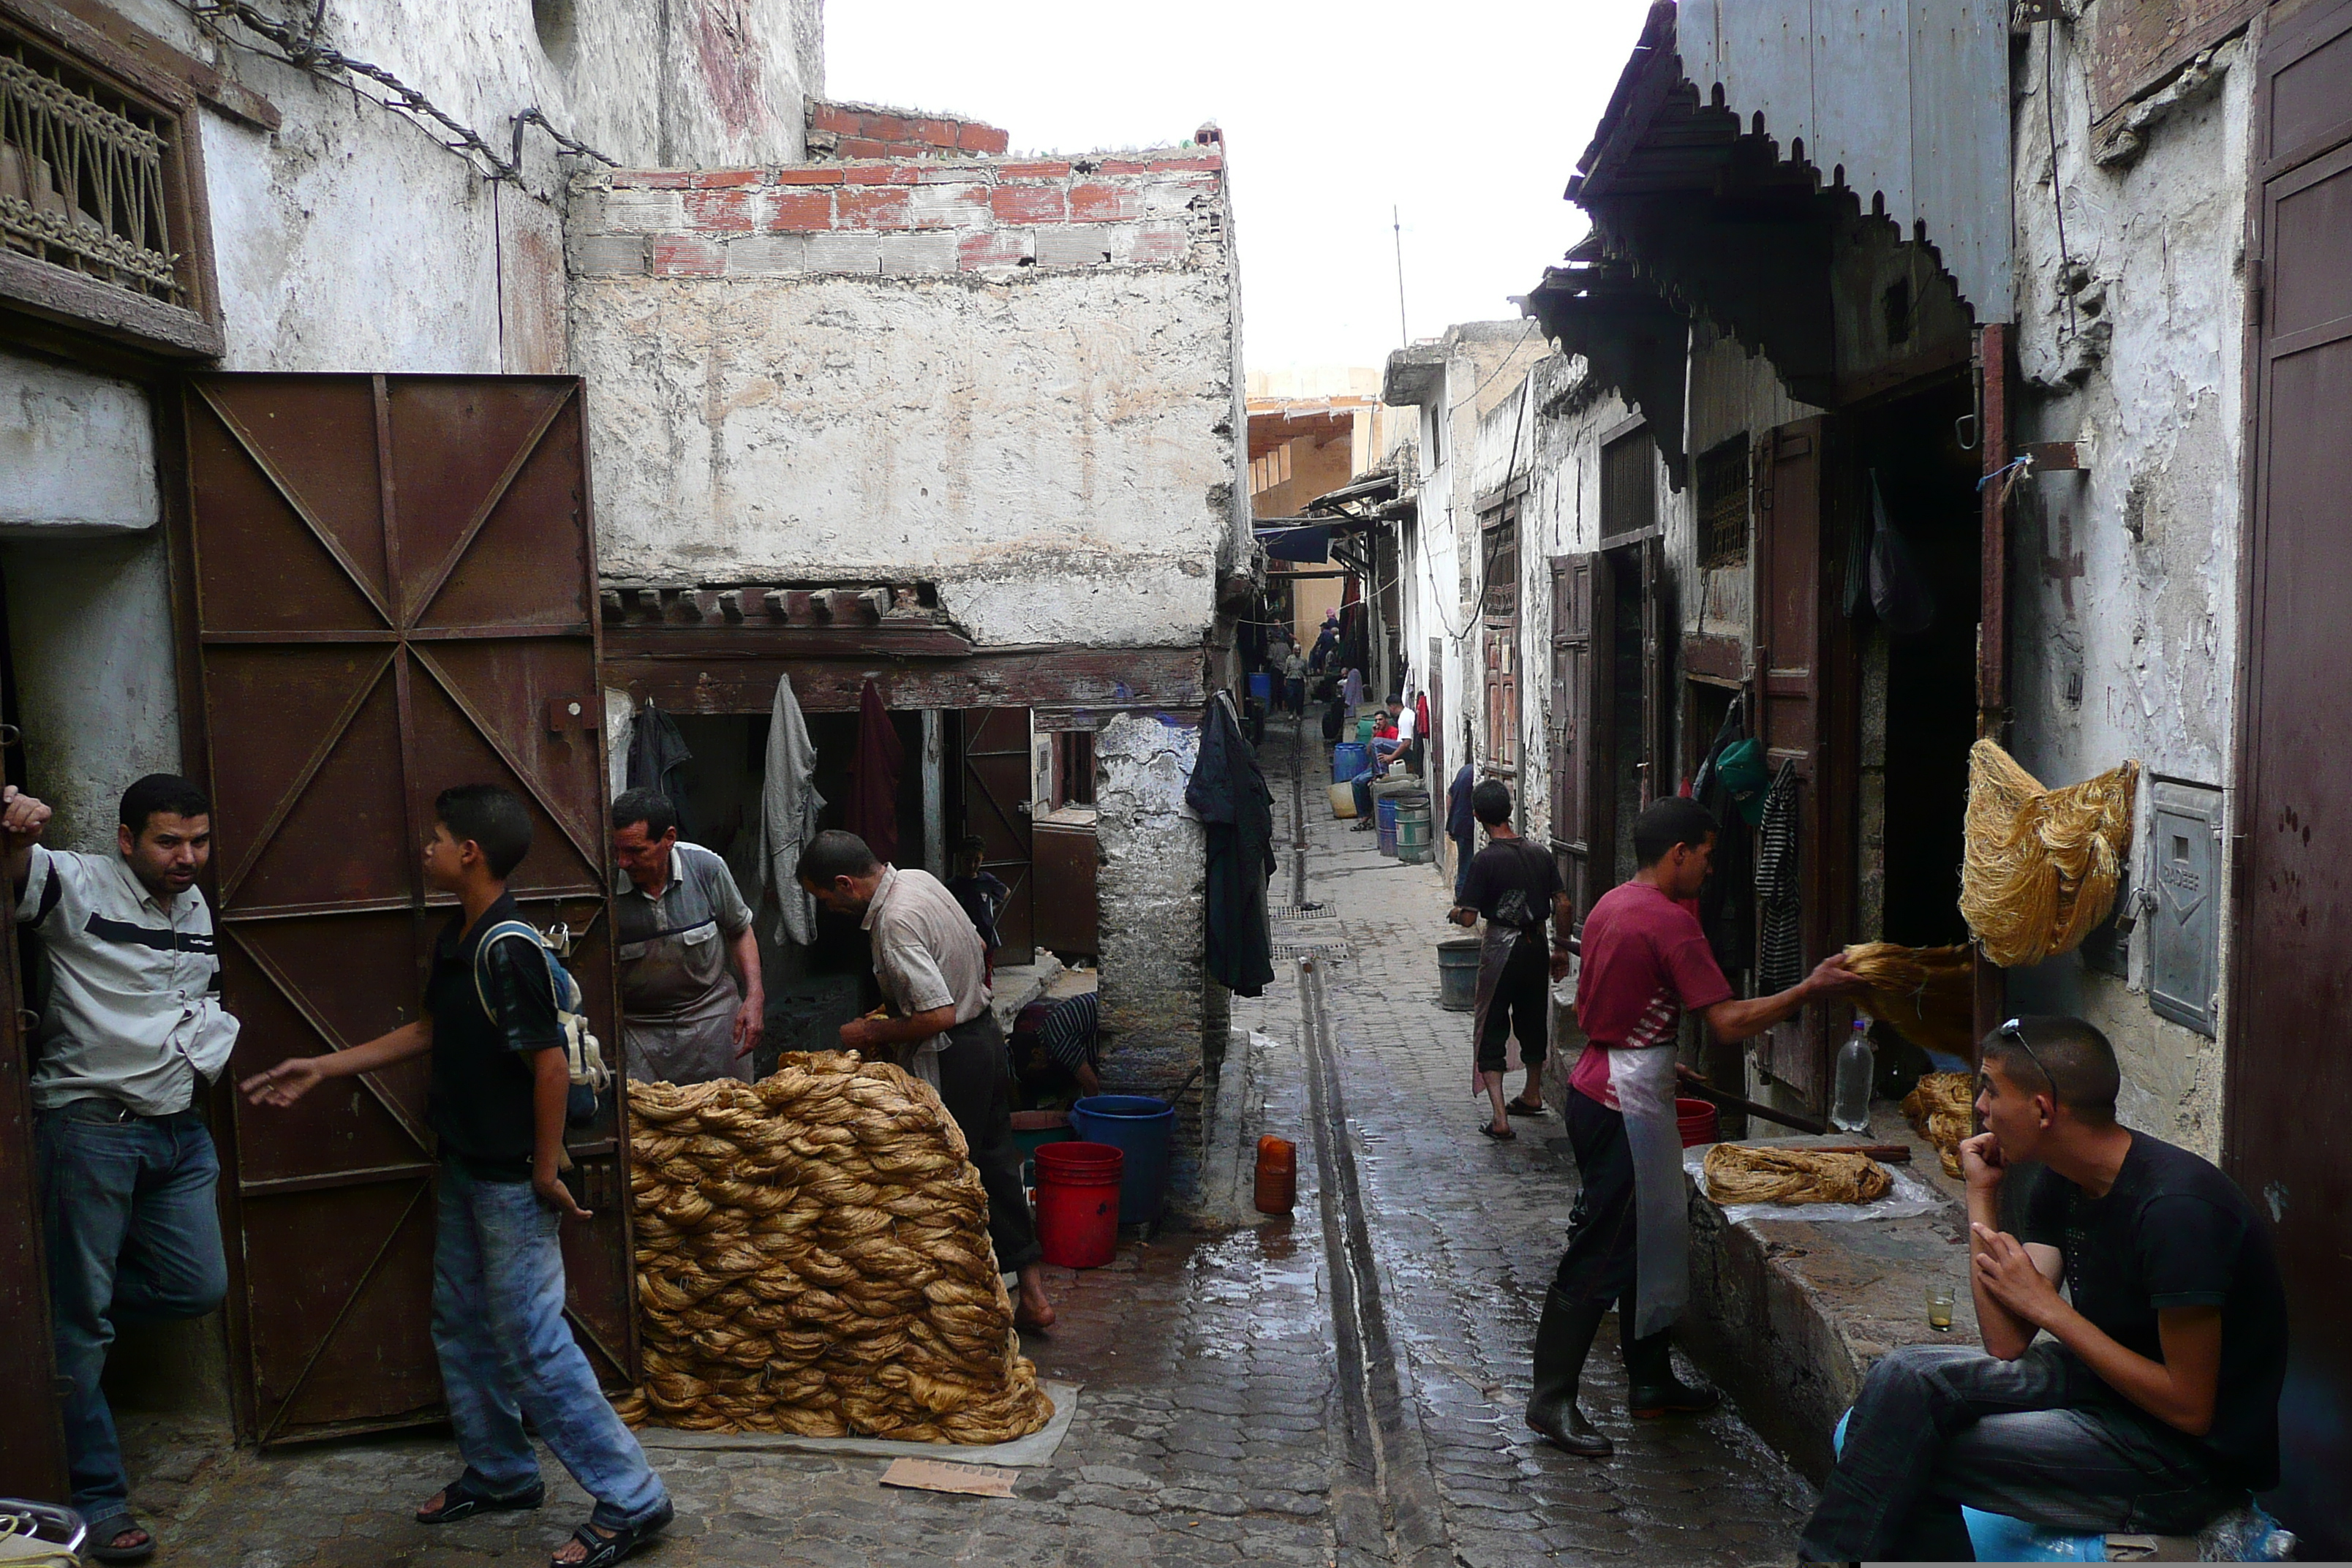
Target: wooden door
1805, 684
392, 585
1661, 632
1583, 805
32, 1441
2289, 1132
998, 785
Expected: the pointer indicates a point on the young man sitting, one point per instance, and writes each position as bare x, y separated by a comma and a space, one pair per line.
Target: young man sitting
2153, 1404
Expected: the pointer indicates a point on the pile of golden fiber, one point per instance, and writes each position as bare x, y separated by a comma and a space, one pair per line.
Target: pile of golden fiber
813, 1257
2041, 864
1927, 993
1738, 1174
1942, 1106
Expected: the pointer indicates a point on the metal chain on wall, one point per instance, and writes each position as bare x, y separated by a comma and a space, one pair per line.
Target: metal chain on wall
299, 45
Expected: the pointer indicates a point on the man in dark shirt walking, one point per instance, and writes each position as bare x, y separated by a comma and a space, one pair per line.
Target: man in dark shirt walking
1514, 886
2153, 1404
501, 1081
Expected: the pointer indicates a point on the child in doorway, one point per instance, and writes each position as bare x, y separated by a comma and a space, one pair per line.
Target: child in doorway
501, 1078
982, 896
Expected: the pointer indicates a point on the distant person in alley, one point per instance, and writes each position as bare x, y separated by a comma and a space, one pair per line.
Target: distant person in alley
500, 1084
2144, 1399
131, 1036
1646, 963
1515, 887
679, 926
928, 959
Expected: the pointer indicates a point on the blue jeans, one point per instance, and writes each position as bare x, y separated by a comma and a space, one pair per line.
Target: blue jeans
1362, 784
506, 1353
1940, 1425
132, 1234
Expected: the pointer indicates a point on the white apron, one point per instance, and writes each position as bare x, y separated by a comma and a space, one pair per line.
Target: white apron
1643, 1083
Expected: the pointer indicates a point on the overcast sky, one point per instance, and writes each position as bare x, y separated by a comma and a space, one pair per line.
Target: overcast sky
1468, 118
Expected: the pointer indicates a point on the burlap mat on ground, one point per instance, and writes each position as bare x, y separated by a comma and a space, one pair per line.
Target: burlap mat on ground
813, 1257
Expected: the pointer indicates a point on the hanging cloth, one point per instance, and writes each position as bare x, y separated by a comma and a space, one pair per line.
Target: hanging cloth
657, 758
1899, 589
874, 777
1228, 792
787, 816
1781, 960
1644, 1081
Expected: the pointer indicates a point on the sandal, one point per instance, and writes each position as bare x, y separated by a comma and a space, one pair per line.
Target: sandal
1504, 1136
98, 1543
604, 1551
461, 1498
1520, 1108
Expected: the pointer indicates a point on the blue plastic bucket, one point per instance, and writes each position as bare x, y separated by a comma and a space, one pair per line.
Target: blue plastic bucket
1140, 1126
1262, 684
1346, 762
1385, 818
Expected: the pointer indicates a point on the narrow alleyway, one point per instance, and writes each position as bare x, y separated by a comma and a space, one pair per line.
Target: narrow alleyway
1342, 1387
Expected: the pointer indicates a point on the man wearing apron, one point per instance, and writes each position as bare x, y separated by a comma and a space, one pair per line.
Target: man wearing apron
678, 919
1516, 886
1645, 963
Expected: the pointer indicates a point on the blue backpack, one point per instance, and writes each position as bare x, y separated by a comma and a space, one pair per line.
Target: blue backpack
589, 1078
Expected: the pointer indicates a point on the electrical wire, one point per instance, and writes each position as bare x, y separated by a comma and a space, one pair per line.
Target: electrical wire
2057, 194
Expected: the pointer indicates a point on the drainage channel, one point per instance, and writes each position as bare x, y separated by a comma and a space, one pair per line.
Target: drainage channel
1382, 1435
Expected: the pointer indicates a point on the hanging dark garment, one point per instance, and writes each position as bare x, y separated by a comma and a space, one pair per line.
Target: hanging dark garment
1229, 794
657, 758
1727, 905
873, 813
1780, 962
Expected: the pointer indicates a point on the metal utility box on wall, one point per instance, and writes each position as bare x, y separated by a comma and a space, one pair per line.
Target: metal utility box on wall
2184, 928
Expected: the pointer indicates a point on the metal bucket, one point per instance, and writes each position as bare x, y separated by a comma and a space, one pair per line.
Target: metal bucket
1457, 973
1413, 841
1385, 818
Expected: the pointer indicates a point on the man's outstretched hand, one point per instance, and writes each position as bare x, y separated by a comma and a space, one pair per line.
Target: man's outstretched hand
21, 816
284, 1084
1830, 977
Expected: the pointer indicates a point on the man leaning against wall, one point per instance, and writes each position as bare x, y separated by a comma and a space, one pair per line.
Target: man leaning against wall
132, 1033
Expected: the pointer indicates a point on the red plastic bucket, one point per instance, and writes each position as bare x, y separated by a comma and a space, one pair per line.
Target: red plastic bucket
1077, 1203
1696, 1119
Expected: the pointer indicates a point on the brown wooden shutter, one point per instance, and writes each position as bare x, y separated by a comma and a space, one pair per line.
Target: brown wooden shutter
1805, 678
1583, 814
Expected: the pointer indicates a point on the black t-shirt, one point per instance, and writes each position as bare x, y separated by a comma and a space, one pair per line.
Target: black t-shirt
2175, 1231
1512, 882
480, 1102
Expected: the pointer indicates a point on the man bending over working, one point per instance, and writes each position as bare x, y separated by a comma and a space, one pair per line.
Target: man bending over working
2153, 1404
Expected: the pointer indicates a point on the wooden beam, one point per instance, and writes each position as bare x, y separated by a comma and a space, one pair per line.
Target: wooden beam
1074, 677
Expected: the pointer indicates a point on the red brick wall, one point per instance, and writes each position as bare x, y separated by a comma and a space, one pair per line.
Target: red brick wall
905, 217
859, 131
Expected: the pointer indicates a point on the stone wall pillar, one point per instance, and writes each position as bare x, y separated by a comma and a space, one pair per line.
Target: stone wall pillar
1153, 885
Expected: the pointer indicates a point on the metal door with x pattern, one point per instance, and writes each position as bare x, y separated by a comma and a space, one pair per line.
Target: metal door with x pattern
393, 588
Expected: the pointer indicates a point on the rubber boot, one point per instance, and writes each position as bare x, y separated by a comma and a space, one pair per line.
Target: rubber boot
1563, 1337
1651, 1386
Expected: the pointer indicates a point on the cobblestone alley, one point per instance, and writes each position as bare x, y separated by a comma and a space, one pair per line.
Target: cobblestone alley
1343, 1387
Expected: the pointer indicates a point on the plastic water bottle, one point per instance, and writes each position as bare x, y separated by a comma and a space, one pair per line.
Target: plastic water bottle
1857, 1067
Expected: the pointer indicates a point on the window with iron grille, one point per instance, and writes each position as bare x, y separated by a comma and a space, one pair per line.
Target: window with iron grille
92, 180
1722, 498
1629, 485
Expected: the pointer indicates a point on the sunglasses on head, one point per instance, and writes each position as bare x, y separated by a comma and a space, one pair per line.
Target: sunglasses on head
2013, 1031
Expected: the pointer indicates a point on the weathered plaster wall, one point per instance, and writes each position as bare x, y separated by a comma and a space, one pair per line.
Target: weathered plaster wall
2124, 588
1014, 378
1151, 886
77, 451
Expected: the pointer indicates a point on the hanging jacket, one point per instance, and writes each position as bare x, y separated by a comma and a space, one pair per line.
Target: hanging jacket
874, 777
657, 758
1228, 792
787, 815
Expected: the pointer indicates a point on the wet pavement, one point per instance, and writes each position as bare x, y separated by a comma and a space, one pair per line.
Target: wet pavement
1342, 1386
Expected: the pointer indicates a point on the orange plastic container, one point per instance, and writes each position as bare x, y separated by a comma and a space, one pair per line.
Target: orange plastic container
1278, 1175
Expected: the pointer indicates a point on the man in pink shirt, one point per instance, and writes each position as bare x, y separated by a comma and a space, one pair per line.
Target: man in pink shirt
1645, 963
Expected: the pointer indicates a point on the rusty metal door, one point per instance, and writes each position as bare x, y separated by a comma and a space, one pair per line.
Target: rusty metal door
1583, 705
32, 1442
998, 785
1805, 672
392, 585
2289, 1134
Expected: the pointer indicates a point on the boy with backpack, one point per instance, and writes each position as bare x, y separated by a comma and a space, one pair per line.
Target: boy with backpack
502, 1082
